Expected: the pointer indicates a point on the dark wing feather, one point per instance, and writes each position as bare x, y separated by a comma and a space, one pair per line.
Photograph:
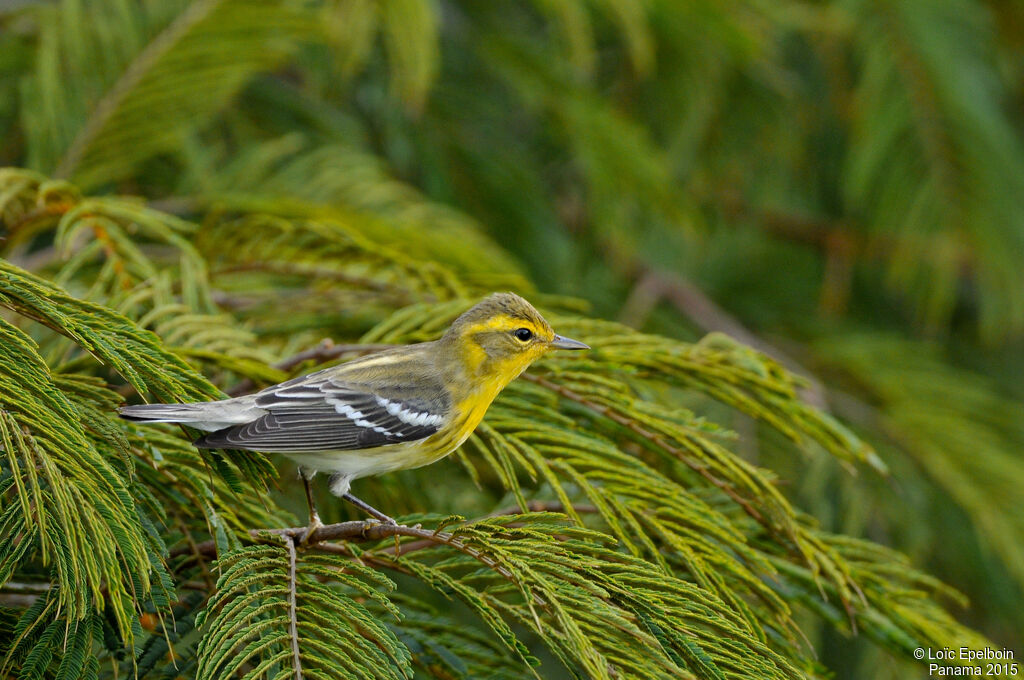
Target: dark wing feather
321, 413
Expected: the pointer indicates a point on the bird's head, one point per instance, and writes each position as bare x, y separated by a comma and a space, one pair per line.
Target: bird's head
502, 335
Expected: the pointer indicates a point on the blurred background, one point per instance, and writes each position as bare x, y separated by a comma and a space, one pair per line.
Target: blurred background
838, 184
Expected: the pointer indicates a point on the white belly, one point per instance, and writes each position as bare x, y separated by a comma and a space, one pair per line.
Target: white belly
360, 462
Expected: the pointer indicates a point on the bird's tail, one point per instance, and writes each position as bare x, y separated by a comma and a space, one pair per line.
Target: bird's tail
164, 413
209, 416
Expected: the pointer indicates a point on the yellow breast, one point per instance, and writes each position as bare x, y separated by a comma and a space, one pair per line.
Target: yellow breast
467, 415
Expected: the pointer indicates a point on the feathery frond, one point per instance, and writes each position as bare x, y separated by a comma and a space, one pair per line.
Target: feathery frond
137, 103
278, 615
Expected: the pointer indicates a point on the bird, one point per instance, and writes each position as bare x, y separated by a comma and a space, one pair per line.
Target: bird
396, 409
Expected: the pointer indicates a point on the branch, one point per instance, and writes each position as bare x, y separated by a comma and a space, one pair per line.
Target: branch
358, 530
293, 621
693, 303
20, 595
542, 506
844, 236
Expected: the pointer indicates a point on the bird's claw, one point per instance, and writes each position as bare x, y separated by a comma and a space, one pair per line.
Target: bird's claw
314, 524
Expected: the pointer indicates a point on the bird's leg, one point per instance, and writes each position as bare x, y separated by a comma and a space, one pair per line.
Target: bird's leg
314, 516
340, 485
368, 509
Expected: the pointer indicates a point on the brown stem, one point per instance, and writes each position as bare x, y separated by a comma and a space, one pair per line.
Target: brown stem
692, 302
366, 530
542, 506
293, 619
22, 595
355, 531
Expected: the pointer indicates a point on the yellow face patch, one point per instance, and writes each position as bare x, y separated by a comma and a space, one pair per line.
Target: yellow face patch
503, 346
504, 322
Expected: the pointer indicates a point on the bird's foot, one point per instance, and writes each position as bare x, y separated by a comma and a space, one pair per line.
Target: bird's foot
314, 524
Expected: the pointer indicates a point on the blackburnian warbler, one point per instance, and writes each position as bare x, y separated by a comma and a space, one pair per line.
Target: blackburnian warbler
400, 408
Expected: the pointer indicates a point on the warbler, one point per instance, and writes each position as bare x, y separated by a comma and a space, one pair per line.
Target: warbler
401, 408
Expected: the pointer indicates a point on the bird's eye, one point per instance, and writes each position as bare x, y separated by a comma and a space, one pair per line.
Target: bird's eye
523, 334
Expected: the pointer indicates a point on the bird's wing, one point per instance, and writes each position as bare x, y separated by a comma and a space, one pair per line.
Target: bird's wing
325, 412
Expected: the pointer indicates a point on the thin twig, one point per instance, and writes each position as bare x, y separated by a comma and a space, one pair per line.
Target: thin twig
195, 552
17, 587
18, 600
324, 351
541, 506
695, 304
44, 212
532, 506
293, 621
372, 530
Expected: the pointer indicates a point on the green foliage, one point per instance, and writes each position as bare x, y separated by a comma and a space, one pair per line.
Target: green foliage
66, 498
50, 645
935, 93
106, 120
334, 635
595, 607
674, 503
943, 417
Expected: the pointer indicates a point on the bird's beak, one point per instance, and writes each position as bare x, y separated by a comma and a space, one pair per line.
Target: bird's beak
567, 343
